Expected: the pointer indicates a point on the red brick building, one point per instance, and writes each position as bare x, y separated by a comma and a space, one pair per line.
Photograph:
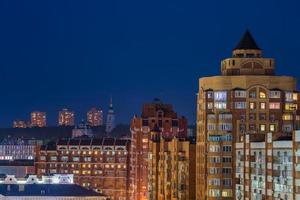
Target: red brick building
154, 114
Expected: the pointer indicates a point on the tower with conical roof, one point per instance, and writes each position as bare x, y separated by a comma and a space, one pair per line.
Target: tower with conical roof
246, 99
110, 120
247, 59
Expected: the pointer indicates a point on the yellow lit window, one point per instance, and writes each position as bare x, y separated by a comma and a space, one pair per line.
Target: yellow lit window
295, 96
272, 127
287, 117
262, 127
145, 140
252, 105
290, 106
227, 193
262, 95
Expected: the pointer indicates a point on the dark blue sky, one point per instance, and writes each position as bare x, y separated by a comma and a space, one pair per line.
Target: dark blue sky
75, 54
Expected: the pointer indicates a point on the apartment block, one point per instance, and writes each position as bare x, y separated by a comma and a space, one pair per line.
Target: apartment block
101, 164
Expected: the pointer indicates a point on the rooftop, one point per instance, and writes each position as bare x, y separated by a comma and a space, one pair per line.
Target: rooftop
247, 42
45, 190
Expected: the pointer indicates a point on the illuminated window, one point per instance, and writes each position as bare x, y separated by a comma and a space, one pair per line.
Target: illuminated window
145, 140
262, 105
262, 95
214, 193
210, 94
295, 96
274, 94
262, 127
214, 148
274, 105
252, 105
287, 117
210, 105
211, 127
227, 193
288, 96
290, 106
220, 105
220, 96
43, 158
272, 127
240, 94
240, 105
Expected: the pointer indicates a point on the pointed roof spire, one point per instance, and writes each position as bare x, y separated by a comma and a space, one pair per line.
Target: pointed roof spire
247, 42
111, 103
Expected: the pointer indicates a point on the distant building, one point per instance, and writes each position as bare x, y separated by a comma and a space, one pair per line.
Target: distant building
98, 164
38, 119
58, 187
19, 124
83, 129
19, 168
66, 118
95, 117
110, 121
156, 114
18, 149
171, 168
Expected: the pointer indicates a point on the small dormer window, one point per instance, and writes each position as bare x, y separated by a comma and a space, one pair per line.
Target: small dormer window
160, 113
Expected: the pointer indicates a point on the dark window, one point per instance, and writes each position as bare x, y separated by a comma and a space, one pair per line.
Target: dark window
175, 123
145, 122
160, 123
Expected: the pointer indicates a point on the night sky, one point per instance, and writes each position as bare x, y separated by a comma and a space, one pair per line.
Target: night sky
75, 54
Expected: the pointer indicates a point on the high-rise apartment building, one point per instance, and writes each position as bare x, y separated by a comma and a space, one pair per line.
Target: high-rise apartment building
247, 98
171, 168
38, 119
66, 118
94, 117
154, 114
101, 164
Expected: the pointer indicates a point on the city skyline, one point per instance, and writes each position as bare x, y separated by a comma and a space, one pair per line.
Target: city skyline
121, 51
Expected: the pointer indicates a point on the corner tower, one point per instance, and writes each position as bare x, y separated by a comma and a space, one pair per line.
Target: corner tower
247, 59
246, 99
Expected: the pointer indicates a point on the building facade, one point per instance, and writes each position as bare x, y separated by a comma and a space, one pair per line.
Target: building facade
266, 168
246, 99
153, 114
95, 117
18, 149
66, 118
110, 119
171, 168
19, 168
98, 164
38, 119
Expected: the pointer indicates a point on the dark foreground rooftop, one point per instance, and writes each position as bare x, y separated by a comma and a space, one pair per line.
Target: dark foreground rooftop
45, 190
